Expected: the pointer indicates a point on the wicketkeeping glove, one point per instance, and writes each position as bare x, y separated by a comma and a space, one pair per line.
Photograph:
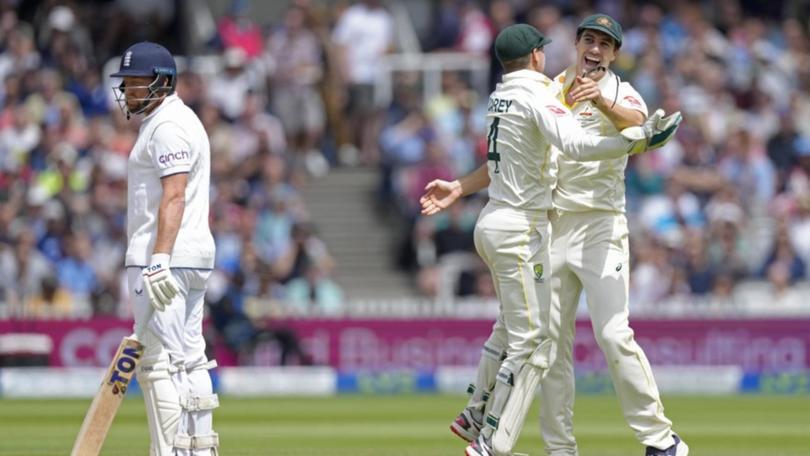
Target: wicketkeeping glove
158, 281
654, 133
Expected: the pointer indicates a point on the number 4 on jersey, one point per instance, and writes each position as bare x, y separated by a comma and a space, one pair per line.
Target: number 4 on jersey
492, 144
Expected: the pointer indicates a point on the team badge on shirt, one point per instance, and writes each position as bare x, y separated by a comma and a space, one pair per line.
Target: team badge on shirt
632, 100
538, 272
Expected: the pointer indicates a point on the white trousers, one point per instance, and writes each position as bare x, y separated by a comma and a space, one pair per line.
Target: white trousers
174, 348
589, 250
514, 245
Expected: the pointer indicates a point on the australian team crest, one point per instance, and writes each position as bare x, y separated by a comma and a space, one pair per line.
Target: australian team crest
604, 21
538, 272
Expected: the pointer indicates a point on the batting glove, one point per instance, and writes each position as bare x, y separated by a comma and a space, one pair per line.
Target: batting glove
158, 281
654, 133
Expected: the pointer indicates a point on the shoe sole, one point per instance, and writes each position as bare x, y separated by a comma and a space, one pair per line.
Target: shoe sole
462, 433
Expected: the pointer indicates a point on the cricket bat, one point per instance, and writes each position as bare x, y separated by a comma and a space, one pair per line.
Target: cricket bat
105, 405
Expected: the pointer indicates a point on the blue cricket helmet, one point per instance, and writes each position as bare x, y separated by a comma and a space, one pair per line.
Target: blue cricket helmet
146, 59
149, 60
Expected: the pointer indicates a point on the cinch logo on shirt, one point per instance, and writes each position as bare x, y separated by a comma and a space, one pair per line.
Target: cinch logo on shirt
171, 156
556, 110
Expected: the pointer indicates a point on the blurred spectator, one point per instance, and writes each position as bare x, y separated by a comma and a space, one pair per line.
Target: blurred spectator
51, 301
652, 274
784, 255
744, 163
297, 61
363, 34
242, 335
20, 54
476, 33
61, 35
562, 33
799, 229
700, 273
92, 95
256, 132
229, 90
445, 28
304, 253
403, 143
238, 30
18, 139
315, 292
22, 271
75, 271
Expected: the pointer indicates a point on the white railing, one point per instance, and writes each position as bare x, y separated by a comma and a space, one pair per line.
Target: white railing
431, 66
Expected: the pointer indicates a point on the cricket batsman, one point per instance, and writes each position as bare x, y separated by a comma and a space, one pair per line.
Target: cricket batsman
589, 250
170, 252
512, 233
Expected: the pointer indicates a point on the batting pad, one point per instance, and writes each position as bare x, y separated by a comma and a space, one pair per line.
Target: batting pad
517, 406
163, 409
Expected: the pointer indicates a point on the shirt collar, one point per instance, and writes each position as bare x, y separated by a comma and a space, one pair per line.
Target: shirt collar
526, 74
166, 101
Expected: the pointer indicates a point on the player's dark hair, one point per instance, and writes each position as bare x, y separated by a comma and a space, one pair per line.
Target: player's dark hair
519, 63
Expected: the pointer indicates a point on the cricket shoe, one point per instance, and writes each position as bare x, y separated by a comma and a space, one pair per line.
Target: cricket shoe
480, 447
466, 426
678, 449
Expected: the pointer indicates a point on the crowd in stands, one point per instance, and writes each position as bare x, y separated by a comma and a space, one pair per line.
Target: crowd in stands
727, 201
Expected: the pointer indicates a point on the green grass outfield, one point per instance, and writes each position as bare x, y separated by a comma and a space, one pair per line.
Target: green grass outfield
415, 425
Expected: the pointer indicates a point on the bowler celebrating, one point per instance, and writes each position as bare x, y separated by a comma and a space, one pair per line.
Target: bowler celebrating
170, 253
589, 250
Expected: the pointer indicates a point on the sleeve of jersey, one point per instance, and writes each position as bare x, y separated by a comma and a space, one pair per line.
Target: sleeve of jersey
560, 128
630, 99
171, 150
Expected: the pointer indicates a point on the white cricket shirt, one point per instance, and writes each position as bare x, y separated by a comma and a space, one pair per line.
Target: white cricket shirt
585, 186
525, 121
171, 140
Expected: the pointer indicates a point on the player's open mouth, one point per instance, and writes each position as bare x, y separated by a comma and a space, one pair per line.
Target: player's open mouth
591, 63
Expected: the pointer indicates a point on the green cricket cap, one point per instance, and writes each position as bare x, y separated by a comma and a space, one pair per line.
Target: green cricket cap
602, 23
517, 41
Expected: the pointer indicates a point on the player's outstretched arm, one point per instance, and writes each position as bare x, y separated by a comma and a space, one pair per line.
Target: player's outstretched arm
441, 194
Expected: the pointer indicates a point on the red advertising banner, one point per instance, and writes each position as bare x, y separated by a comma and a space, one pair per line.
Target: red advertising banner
774, 345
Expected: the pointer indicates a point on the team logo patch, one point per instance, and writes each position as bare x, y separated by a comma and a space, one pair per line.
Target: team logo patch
632, 100
604, 21
538, 272
556, 110
127, 58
